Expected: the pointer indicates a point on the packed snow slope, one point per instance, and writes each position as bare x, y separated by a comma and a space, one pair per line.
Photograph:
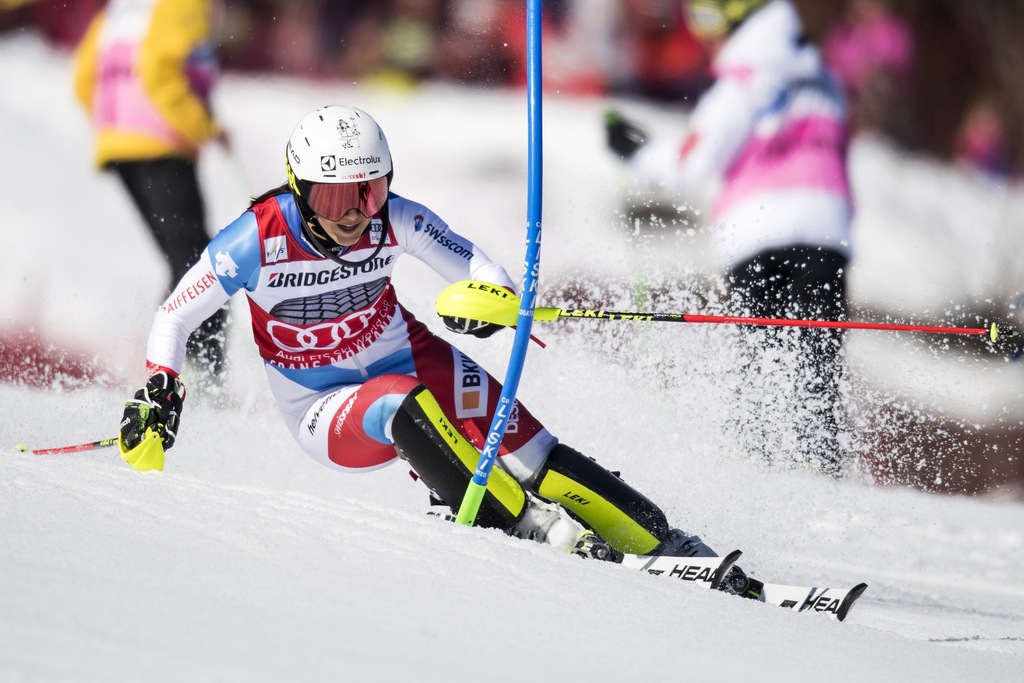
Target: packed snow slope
245, 560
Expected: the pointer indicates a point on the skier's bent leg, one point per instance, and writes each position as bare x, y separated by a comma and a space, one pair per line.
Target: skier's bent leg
348, 429
621, 515
445, 460
624, 517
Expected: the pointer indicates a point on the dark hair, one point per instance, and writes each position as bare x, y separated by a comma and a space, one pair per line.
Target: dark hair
283, 189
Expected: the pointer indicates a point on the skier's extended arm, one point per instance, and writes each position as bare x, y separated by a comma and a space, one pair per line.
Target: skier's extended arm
230, 262
452, 256
719, 127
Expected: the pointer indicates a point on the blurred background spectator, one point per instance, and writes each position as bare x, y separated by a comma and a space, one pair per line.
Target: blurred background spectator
982, 143
870, 51
945, 77
663, 60
144, 73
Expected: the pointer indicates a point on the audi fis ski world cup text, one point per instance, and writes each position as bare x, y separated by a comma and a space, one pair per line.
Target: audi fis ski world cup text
296, 347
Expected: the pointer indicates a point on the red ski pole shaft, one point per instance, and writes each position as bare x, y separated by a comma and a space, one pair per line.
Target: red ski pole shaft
102, 443
785, 322
770, 322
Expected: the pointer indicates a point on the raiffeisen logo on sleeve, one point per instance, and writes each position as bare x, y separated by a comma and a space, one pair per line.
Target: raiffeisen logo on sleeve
275, 249
470, 387
187, 293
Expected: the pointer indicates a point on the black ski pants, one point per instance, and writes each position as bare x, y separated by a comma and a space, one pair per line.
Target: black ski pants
809, 283
166, 192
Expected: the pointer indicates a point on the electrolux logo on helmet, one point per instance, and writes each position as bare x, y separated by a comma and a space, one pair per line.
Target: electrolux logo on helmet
331, 162
358, 161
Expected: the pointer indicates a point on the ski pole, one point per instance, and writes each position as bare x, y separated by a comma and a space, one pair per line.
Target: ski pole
522, 317
483, 301
102, 443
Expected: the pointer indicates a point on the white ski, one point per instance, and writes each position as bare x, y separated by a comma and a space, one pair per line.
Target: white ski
834, 601
704, 571
708, 572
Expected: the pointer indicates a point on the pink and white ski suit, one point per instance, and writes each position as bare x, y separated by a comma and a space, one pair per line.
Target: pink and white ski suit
772, 130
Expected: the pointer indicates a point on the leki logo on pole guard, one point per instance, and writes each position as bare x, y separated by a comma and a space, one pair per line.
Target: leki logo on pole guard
322, 337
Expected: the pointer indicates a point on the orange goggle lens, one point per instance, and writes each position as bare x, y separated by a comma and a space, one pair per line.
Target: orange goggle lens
333, 200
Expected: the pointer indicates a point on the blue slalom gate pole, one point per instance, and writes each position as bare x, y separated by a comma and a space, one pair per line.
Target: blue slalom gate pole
478, 486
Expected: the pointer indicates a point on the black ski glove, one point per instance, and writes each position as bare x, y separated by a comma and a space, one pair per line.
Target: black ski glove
477, 328
158, 405
624, 138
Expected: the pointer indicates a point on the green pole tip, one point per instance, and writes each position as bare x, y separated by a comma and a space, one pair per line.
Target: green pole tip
21, 448
994, 332
470, 504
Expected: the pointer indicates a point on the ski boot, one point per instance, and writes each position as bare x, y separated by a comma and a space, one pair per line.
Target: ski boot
549, 523
680, 544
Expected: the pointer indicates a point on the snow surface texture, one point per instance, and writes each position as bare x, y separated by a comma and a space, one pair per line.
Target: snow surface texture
245, 560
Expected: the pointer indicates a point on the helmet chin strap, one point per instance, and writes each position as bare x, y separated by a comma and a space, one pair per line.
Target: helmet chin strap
323, 242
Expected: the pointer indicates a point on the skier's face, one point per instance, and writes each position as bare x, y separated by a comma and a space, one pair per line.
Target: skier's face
347, 230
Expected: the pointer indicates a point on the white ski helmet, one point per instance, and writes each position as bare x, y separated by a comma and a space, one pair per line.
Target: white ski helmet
337, 159
338, 144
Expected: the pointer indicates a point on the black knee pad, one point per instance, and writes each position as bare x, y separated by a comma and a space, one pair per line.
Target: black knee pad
619, 513
445, 460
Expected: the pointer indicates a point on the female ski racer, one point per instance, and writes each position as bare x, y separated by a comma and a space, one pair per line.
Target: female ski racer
773, 130
358, 380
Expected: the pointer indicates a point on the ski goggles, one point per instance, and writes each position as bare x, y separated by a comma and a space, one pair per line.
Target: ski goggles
706, 20
333, 200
